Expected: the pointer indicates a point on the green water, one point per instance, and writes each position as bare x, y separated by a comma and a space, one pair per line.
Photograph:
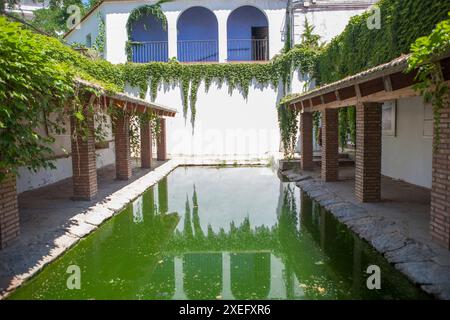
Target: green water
229, 233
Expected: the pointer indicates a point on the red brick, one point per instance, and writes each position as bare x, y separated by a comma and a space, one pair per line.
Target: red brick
146, 145
84, 169
368, 152
330, 145
306, 136
161, 142
9, 212
122, 143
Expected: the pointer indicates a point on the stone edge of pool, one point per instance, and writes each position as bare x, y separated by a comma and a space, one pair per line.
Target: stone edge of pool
410, 257
90, 219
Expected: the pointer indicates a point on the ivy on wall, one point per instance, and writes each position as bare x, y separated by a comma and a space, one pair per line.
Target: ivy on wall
137, 15
358, 48
237, 76
37, 76
100, 40
431, 80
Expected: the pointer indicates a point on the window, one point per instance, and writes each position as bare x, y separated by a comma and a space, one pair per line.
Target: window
88, 40
428, 120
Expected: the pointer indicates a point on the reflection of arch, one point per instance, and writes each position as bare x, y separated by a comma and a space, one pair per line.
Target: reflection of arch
248, 34
149, 40
250, 275
202, 275
198, 34
163, 280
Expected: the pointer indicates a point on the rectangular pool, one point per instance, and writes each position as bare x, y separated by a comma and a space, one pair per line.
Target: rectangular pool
220, 233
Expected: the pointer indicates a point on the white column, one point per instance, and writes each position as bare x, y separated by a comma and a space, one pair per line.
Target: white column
222, 17
172, 32
116, 37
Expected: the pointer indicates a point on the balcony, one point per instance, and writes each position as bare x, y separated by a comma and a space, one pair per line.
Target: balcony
149, 51
198, 51
198, 37
248, 50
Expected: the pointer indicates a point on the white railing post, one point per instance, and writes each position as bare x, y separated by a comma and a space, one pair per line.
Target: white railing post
172, 33
222, 17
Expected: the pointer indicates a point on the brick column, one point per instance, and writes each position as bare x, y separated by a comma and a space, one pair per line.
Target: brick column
122, 144
330, 145
306, 136
146, 145
161, 147
368, 152
9, 211
440, 190
84, 169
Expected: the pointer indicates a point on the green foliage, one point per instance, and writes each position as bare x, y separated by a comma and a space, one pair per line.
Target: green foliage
145, 11
238, 76
32, 85
100, 40
431, 81
53, 20
359, 48
288, 123
36, 80
309, 38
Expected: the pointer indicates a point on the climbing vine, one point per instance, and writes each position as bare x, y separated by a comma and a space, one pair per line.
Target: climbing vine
136, 15
100, 40
431, 83
359, 48
237, 76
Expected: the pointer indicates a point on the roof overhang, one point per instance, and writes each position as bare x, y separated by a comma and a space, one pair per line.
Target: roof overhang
125, 101
385, 82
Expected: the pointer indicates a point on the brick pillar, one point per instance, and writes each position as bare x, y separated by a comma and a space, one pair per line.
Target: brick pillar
84, 167
330, 145
146, 145
161, 147
306, 136
440, 190
368, 152
122, 145
9, 211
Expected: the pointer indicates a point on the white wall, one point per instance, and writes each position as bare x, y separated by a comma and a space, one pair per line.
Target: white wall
117, 15
29, 180
328, 23
90, 25
408, 155
225, 124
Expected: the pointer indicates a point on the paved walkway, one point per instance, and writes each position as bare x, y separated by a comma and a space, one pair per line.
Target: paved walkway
398, 226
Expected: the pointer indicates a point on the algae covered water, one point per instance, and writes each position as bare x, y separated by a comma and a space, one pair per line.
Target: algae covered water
220, 233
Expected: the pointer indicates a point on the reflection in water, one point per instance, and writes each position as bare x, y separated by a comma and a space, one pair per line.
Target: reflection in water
250, 275
202, 275
299, 252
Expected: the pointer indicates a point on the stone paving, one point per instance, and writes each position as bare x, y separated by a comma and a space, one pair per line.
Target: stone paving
51, 222
398, 226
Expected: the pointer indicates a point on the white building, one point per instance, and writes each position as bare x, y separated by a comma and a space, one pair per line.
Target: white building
27, 7
215, 31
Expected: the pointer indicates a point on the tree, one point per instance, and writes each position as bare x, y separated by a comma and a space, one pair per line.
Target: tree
53, 19
309, 39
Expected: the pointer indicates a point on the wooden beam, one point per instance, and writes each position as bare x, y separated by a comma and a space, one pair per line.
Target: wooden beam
376, 97
387, 83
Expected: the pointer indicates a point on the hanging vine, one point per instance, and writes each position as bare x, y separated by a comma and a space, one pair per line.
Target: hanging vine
136, 15
431, 83
100, 40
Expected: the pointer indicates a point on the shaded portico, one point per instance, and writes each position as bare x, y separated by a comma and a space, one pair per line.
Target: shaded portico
368, 91
83, 145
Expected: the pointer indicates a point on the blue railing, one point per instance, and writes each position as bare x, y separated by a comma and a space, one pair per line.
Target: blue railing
150, 51
248, 50
198, 51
